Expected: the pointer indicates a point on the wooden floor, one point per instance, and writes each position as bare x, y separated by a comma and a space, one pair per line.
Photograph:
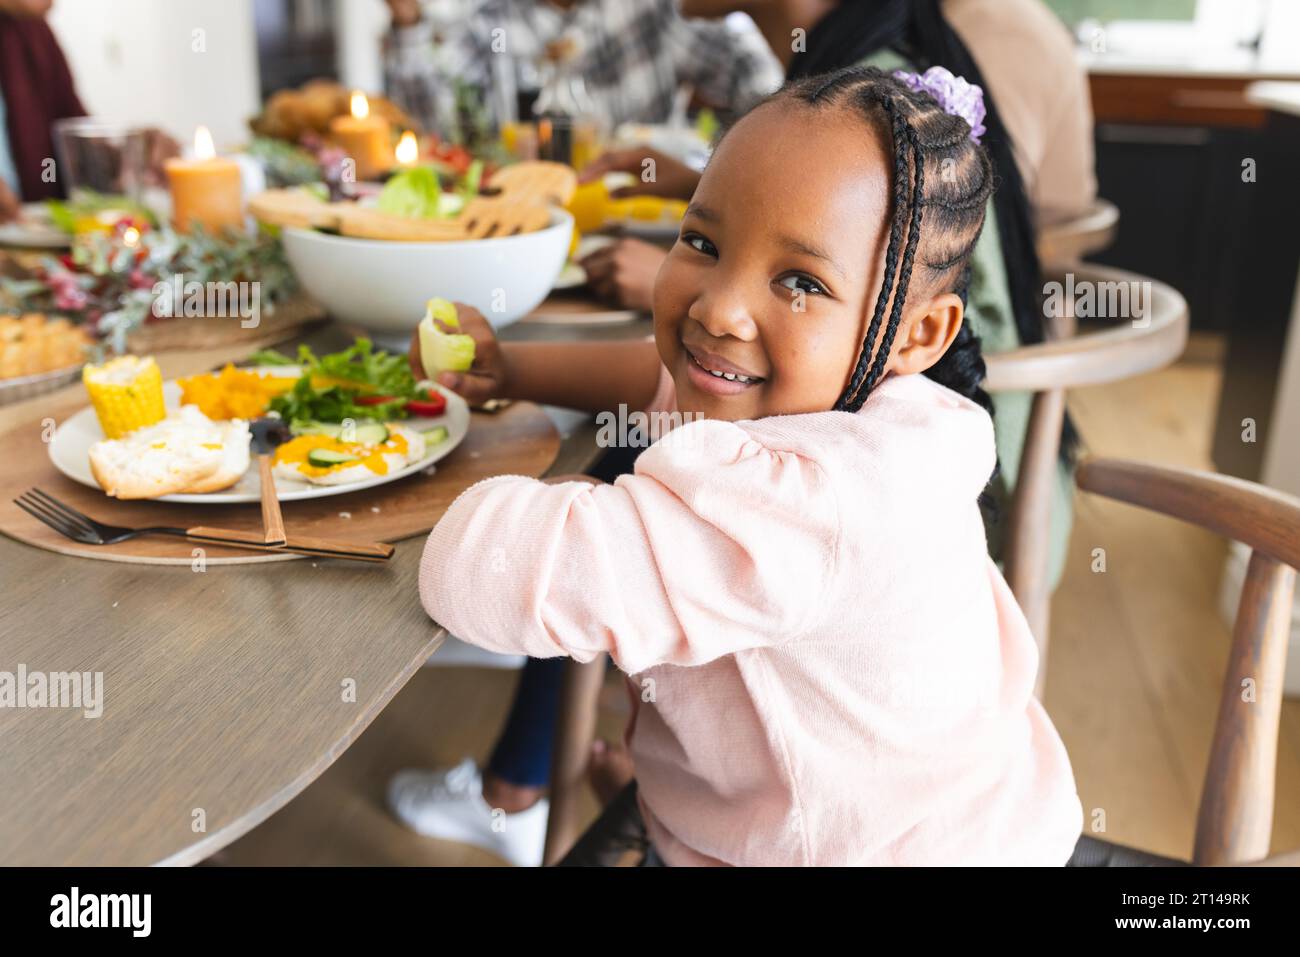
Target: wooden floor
1137, 654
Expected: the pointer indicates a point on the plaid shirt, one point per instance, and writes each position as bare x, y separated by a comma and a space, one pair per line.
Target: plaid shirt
634, 55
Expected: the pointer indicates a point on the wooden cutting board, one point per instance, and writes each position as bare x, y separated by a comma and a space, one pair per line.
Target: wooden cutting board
289, 319
519, 440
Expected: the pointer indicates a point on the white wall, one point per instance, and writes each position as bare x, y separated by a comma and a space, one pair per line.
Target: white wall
135, 61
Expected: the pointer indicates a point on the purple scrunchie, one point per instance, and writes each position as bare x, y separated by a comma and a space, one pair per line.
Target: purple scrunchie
955, 95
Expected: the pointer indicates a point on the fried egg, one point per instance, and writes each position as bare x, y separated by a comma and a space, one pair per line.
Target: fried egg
403, 446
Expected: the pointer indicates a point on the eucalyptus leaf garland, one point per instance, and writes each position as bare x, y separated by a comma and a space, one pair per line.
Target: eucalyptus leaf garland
108, 281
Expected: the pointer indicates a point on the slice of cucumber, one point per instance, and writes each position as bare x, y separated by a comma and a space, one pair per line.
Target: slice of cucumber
371, 433
332, 429
435, 436
328, 458
366, 433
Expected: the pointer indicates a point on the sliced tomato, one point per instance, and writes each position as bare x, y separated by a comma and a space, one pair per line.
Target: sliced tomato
374, 399
457, 157
436, 404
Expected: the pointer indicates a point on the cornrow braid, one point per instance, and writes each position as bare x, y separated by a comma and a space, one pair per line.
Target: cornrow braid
891, 259
904, 275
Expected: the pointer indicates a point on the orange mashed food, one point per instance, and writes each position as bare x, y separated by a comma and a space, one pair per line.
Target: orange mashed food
233, 393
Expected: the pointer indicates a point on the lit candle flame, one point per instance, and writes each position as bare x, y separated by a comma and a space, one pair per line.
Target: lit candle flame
408, 150
131, 237
360, 105
203, 147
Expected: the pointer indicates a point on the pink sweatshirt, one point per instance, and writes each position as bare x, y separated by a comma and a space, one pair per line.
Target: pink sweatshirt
828, 666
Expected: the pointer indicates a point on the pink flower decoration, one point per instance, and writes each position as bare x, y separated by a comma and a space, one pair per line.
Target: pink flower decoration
954, 95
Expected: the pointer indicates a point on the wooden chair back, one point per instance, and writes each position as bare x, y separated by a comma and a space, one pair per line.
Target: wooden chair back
1070, 241
1235, 816
1152, 337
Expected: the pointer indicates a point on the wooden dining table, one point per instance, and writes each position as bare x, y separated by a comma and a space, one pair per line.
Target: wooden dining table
225, 693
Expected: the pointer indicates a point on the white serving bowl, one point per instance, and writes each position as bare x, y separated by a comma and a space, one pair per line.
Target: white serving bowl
383, 286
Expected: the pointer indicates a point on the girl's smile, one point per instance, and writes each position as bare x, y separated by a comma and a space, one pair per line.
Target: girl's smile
712, 373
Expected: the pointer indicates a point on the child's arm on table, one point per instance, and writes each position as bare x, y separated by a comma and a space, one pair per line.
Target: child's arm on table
588, 376
715, 545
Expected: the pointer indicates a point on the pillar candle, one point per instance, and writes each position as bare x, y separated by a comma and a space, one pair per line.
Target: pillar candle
365, 138
206, 189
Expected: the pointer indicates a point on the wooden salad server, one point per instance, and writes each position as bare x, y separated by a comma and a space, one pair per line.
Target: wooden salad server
267, 433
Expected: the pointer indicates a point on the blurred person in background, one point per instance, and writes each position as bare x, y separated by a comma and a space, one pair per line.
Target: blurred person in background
634, 54
36, 89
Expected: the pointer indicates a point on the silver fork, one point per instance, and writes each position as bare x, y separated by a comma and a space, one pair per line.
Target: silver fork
79, 527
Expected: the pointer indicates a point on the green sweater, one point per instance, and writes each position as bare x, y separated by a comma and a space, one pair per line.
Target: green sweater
988, 310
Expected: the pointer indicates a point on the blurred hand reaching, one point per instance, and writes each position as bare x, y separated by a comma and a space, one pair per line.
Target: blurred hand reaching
623, 273
657, 173
405, 13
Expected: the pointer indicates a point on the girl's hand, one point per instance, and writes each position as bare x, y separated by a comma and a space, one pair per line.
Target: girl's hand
658, 174
487, 377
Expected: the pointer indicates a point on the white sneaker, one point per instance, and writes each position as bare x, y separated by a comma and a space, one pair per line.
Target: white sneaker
448, 804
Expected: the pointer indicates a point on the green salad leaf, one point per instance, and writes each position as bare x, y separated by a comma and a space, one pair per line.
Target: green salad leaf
270, 357
343, 385
413, 193
65, 214
473, 179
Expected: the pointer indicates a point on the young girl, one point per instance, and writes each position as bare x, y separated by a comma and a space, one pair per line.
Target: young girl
827, 666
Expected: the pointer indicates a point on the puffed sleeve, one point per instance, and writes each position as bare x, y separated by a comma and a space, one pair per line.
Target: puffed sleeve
716, 544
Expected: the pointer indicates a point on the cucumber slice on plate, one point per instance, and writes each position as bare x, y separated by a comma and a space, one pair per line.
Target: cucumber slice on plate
371, 433
367, 433
332, 429
328, 458
435, 436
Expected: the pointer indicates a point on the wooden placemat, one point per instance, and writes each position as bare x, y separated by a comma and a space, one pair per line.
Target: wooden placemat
519, 440
289, 319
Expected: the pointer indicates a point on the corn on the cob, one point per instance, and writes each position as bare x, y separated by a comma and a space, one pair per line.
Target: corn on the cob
126, 393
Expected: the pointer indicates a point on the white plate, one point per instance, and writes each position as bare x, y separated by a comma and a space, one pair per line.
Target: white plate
34, 229
70, 453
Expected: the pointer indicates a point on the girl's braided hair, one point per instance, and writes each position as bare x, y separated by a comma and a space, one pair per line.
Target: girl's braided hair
918, 31
942, 181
